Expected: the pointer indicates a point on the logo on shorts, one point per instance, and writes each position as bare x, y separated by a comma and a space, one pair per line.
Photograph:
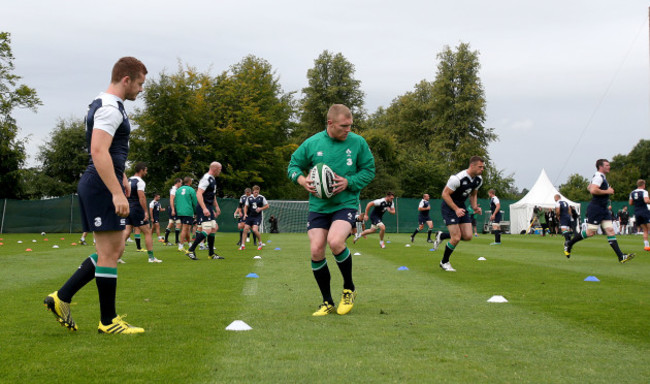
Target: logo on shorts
98, 221
349, 215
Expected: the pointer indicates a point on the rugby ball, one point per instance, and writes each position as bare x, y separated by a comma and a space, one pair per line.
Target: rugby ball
323, 178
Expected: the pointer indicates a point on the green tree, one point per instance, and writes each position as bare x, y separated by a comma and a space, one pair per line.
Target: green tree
576, 188
627, 169
331, 81
458, 106
63, 159
439, 126
503, 185
172, 126
254, 122
241, 118
12, 95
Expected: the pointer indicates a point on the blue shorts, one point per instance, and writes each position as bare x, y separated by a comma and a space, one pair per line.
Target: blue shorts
450, 218
187, 220
136, 216
497, 218
565, 221
325, 220
597, 214
375, 220
200, 217
642, 217
96, 205
423, 219
252, 221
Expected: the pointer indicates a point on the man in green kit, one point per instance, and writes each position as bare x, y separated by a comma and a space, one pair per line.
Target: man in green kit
330, 220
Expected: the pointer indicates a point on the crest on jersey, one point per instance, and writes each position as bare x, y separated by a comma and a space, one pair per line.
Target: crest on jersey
319, 153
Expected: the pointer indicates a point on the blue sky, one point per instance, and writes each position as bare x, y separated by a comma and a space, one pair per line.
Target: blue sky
566, 81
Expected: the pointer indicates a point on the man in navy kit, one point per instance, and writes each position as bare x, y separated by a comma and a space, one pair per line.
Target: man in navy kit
102, 198
174, 222
207, 211
380, 206
255, 204
459, 187
154, 214
563, 212
138, 215
640, 200
423, 218
598, 214
495, 217
239, 215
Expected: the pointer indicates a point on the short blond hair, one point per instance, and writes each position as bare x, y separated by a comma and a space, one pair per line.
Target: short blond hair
337, 110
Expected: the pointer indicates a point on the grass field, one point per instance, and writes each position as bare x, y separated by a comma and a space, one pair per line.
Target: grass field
420, 325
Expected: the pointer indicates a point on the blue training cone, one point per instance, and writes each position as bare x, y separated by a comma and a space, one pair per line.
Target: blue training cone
591, 278
252, 275
402, 268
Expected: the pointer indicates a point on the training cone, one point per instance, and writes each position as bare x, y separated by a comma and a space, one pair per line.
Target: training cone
55, 246
431, 250
28, 250
591, 278
238, 325
407, 245
481, 258
357, 254
497, 299
252, 275
20, 241
402, 268
277, 249
257, 257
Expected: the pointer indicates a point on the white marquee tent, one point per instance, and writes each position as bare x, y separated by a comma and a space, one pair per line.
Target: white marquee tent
541, 195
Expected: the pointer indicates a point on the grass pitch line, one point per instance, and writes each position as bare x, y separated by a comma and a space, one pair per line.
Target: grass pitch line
250, 286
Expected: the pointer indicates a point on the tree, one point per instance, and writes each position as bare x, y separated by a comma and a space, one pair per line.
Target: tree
63, 159
503, 185
458, 106
576, 188
627, 169
241, 118
170, 133
12, 95
331, 81
439, 126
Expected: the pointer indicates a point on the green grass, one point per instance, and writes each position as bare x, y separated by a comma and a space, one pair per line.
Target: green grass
419, 325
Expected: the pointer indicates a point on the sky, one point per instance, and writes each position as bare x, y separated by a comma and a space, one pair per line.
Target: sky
566, 82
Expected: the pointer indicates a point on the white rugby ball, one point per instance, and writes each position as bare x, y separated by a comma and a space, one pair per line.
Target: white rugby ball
323, 178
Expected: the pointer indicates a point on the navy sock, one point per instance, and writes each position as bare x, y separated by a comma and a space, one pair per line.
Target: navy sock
79, 279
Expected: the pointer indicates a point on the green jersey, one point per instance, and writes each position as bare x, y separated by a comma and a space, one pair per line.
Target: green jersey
185, 201
351, 159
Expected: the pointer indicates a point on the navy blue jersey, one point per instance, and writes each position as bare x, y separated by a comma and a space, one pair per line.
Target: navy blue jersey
600, 180
381, 206
155, 209
107, 113
423, 204
137, 184
209, 186
493, 203
242, 201
638, 200
253, 203
462, 186
564, 208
